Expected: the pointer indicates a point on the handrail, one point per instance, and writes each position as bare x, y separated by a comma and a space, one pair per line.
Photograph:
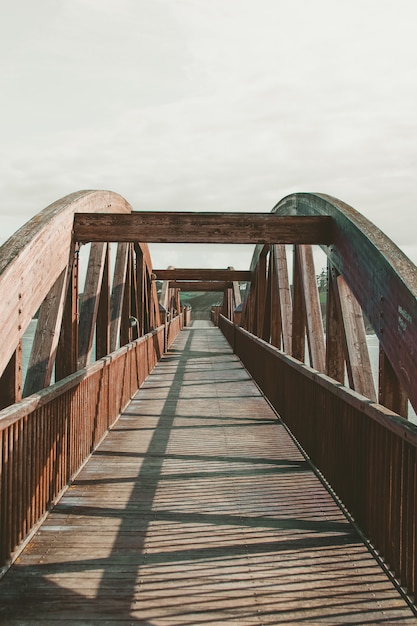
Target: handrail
46, 437
41, 398
367, 453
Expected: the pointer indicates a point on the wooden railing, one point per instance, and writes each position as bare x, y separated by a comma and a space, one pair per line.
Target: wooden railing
45, 438
369, 284
366, 452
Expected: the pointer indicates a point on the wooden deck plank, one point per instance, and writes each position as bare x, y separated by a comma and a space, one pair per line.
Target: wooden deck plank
198, 508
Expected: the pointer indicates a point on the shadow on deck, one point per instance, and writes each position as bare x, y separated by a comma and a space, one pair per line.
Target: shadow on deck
198, 508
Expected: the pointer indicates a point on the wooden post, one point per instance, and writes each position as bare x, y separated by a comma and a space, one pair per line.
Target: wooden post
391, 393
275, 304
357, 359
116, 299
47, 334
266, 326
103, 312
11, 380
335, 339
125, 326
134, 296
261, 291
285, 300
67, 352
313, 317
90, 302
298, 312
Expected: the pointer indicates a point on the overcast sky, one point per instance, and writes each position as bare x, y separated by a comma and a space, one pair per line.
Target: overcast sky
210, 105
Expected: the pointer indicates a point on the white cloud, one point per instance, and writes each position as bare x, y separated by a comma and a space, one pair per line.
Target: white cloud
198, 105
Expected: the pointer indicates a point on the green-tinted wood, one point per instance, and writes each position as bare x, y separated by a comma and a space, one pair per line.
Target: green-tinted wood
381, 277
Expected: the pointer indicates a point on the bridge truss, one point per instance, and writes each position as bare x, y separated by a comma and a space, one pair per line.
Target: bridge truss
94, 346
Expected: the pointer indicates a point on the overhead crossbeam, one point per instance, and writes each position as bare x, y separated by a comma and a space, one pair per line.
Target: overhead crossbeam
203, 274
199, 285
188, 227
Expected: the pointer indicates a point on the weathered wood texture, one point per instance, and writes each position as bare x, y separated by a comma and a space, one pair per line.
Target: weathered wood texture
202, 274
118, 288
390, 391
311, 307
267, 307
358, 362
336, 349
198, 285
32, 260
296, 322
11, 381
46, 437
66, 360
280, 276
382, 279
164, 297
108, 322
298, 345
103, 311
186, 311
90, 302
47, 334
198, 508
367, 453
180, 227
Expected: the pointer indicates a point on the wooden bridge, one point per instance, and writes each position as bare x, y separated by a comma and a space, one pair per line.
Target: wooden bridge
160, 470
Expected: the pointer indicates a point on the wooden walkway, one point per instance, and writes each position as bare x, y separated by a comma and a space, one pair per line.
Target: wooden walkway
198, 508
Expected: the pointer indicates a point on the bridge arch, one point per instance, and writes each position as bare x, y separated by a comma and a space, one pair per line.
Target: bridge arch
58, 426
366, 272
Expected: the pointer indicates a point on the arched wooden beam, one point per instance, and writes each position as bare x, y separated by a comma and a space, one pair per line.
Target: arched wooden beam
382, 278
36, 255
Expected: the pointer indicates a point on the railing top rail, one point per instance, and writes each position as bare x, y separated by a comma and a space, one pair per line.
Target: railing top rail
15, 412
387, 418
